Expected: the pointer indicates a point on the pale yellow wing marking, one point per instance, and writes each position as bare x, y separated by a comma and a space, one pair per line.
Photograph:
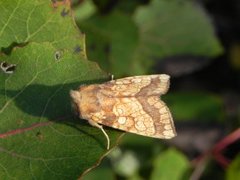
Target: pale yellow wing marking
131, 117
135, 109
147, 117
136, 86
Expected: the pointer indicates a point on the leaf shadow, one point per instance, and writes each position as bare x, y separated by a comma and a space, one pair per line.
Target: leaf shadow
51, 103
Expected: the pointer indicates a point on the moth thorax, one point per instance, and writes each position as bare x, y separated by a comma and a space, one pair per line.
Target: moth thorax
89, 103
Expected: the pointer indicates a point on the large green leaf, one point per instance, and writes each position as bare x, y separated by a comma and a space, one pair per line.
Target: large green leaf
24, 21
174, 27
40, 138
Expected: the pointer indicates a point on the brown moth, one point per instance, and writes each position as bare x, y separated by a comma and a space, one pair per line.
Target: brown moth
130, 104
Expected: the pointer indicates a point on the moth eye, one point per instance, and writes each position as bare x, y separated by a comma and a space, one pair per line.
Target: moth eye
75, 109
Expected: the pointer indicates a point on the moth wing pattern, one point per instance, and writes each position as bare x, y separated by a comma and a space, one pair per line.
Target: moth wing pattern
137, 85
137, 107
130, 104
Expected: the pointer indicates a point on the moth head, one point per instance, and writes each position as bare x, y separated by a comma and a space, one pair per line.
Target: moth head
76, 98
85, 101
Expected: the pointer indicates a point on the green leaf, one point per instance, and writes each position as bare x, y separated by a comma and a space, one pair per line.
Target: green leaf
170, 165
24, 21
186, 106
40, 138
84, 10
100, 173
111, 40
174, 27
233, 171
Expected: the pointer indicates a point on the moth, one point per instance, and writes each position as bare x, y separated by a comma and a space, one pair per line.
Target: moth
131, 104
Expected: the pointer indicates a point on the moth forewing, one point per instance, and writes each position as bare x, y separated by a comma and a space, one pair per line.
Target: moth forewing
130, 104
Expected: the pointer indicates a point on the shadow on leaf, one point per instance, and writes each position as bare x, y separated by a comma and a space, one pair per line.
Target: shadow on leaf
51, 103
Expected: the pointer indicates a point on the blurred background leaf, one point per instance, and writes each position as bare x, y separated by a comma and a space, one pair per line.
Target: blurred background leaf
112, 49
195, 105
233, 171
170, 165
130, 45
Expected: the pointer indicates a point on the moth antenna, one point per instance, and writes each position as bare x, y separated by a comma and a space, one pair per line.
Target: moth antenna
93, 123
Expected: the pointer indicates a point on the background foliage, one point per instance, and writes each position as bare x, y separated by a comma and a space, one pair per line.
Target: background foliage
196, 42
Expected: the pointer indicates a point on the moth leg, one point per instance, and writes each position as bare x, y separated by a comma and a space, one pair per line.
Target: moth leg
93, 123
